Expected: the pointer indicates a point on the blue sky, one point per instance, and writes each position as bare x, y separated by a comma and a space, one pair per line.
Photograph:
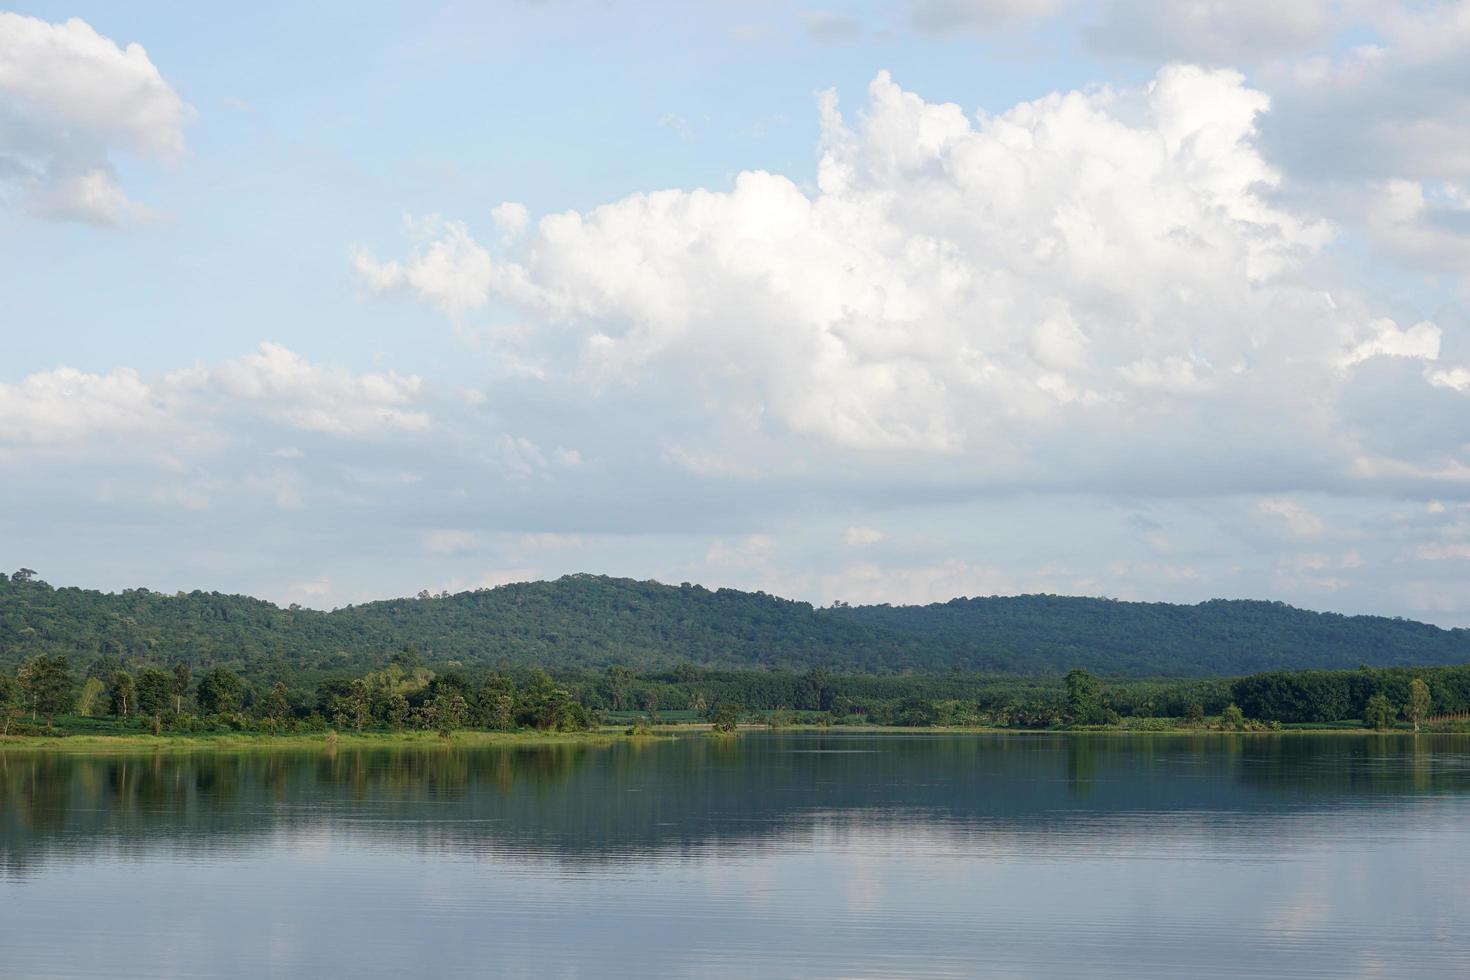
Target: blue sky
1134, 299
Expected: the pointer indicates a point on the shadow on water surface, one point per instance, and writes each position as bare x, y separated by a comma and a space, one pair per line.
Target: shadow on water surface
590, 803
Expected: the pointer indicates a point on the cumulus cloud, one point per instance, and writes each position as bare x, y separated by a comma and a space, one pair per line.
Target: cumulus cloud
69, 100
316, 398
63, 406
1091, 287
66, 405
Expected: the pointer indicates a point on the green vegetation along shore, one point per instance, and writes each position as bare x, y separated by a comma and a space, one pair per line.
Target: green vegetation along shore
48, 701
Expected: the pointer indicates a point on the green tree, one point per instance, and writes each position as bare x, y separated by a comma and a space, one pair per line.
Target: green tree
123, 694
90, 699
1084, 698
916, 711
617, 681
1380, 712
725, 717
183, 673
220, 692
155, 693
1232, 718
1419, 702
47, 684
446, 712
9, 702
1194, 713
494, 705
277, 703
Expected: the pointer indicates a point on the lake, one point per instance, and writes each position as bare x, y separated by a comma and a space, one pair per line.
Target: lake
771, 855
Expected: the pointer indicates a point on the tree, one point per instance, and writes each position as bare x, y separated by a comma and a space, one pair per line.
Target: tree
1419, 701
1194, 713
1084, 698
220, 692
1380, 712
616, 682
92, 692
183, 673
123, 694
495, 706
725, 717
9, 702
155, 692
916, 711
47, 684
277, 704
447, 712
648, 701
1232, 718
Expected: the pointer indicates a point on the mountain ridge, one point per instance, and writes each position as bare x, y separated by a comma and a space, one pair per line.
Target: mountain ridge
588, 621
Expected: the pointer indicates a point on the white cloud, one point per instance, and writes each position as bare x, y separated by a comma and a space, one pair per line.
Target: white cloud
69, 100
748, 552
510, 217
1085, 279
65, 405
867, 582
453, 272
861, 537
1299, 520
316, 398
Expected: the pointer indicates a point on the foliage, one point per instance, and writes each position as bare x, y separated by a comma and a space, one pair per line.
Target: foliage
1084, 698
155, 691
220, 692
10, 695
47, 685
1419, 702
725, 717
1379, 712
588, 623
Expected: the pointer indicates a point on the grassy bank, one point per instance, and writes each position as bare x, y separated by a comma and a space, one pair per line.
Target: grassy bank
99, 743
126, 742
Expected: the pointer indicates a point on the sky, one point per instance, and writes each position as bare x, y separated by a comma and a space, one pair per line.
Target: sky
882, 302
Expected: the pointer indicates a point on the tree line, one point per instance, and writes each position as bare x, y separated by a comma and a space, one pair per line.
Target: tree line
406, 695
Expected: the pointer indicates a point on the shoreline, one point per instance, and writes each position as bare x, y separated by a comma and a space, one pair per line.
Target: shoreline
238, 741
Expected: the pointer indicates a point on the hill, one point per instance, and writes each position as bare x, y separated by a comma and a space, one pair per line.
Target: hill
590, 621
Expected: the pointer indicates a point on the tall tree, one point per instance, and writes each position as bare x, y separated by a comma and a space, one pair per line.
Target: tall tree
9, 702
220, 692
1380, 712
1084, 698
277, 705
123, 694
1419, 701
183, 673
47, 683
155, 693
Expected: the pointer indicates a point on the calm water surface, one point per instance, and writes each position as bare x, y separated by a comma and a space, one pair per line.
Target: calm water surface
770, 856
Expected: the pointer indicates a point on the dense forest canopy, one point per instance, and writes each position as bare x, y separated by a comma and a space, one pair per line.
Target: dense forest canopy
589, 622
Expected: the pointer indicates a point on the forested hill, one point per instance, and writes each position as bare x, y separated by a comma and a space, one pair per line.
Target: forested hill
588, 621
